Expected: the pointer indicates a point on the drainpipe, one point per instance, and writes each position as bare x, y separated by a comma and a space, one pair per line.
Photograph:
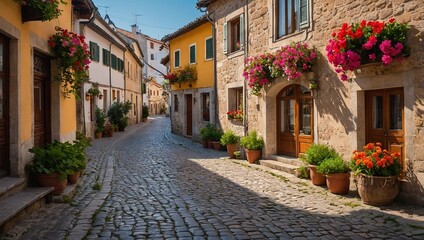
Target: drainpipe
110, 74
246, 55
125, 80
215, 77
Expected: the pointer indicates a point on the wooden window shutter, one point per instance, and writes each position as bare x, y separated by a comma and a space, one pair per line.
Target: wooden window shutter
303, 11
241, 30
114, 61
225, 33
97, 47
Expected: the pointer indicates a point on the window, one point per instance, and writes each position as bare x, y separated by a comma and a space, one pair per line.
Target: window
152, 56
177, 58
113, 95
209, 48
118, 93
106, 57
150, 92
291, 16
152, 45
192, 53
235, 99
205, 107
94, 51
144, 88
105, 100
114, 61
234, 34
175, 103
157, 92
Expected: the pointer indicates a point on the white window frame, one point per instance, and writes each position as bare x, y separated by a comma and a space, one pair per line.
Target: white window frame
189, 53
206, 49
179, 58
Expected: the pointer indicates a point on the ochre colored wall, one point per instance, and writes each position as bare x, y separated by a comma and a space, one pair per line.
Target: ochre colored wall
204, 67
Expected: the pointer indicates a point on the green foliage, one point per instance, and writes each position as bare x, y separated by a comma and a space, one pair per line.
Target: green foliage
317, 153
50, 10
302, 172
100, 120
57, 157
216, 135
97, 186
118, 114
229, 137
93, 91
333, 165
252, 141
207, 131
237, 154
144, 111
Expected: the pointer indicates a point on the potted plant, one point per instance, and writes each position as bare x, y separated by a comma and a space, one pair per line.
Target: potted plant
314, 156
337, 173
253, 146
35, 10
109, 129
215, 138
100, 122
118, 114
376, 171
230, 139
206, 134
144, 112
76, 159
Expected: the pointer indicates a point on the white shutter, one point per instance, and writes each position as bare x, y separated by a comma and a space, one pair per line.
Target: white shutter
241, 30
225, 38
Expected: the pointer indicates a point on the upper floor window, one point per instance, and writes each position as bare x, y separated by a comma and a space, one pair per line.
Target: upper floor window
234, 34
94, 51
177, 58
192, 53
106, 57
152, 56
209, 48
291, 16
152, 45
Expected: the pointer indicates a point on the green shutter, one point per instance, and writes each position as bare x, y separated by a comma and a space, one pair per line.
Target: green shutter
241, 30
209, 48
177, 59
97, 47
106, 57
92, 50
114, 63
225, 38
303, 11
193, 54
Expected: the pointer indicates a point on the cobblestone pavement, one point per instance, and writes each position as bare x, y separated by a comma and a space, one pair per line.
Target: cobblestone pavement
156, 185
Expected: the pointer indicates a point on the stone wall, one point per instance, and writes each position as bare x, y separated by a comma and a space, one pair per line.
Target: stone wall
339, 106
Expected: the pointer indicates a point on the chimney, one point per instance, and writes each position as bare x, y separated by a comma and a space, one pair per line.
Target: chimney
134, 29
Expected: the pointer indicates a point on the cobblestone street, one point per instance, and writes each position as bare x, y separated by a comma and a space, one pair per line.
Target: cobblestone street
156, 185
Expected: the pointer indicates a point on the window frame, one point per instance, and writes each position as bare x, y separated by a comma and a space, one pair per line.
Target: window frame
179, 58
235, 98
152, 45
106, 57
297, 15
208, 108
230, 46
206, 48
189, 53
176, 103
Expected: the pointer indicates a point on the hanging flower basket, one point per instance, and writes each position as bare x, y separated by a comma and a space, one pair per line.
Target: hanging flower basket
30, 13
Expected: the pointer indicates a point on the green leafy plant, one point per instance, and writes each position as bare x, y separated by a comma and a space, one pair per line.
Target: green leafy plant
333, 165
93, 91
252, 141
118, 114
100, 120
144, 111
229, 137
206, 131
50, 9
302, 172
317, 153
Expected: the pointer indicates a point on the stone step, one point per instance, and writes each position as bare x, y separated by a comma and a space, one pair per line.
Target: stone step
10, 185
20, 205
284, 167
287, 160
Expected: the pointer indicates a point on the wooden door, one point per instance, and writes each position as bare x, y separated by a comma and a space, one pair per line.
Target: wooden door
385, 119
4, 107
41, 100
189, 115
294, 120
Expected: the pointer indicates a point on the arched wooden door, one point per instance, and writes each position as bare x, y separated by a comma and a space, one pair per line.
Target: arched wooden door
294, 120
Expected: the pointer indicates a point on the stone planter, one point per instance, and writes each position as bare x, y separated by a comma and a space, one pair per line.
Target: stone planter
52, 180
317, 178
377, 191
338, 183
231, 148
253, 155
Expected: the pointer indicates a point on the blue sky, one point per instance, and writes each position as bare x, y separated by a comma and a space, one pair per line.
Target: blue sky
156, 17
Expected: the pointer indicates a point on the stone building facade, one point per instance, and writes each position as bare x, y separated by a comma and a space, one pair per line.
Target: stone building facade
338, 110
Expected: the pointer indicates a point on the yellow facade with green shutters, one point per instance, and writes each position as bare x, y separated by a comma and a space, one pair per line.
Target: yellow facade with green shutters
197, 37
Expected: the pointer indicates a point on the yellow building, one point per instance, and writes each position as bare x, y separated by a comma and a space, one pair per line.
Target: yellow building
193, 102
33, 110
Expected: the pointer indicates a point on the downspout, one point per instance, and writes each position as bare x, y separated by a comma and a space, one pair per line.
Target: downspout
110, 74
246, 55
215, 77
125, 80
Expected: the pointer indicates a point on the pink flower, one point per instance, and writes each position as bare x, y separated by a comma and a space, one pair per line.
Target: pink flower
343, 77
386, 59
65, 43
370, 43
372, 56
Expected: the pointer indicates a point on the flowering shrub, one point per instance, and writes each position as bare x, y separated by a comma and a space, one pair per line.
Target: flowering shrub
367, 42
187, 74
375, 161
49, 8
290, 61
74, 59
235, 114
171, 77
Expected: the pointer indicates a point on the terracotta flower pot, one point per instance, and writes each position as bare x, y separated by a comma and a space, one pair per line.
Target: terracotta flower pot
317, 178
377, 191
98, 134
205, 143
73, 178
210, 145
231, 148
216, 145
338, 183
253, 155
52, 180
